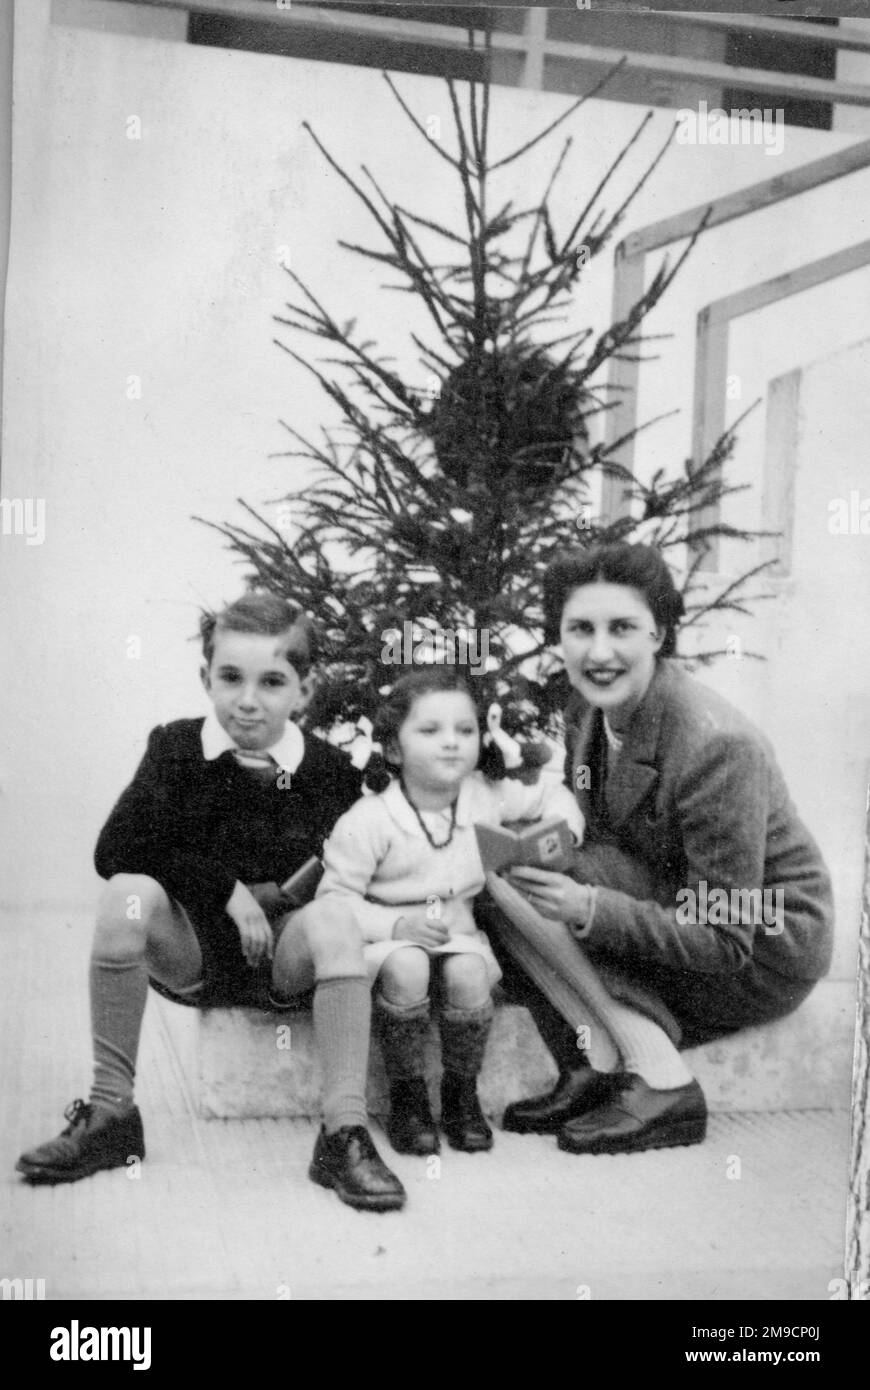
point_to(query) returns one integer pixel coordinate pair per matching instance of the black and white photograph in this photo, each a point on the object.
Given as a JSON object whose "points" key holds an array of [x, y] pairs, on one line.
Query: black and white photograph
{"points": [[435, 568]]}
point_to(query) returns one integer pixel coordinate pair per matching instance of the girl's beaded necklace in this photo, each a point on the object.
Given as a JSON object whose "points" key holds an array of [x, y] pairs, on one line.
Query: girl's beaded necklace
{"points": [[423, 826]]}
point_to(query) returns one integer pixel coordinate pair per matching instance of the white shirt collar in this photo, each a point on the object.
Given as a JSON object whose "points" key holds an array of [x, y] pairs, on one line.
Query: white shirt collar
{"points": [[288, 752]]}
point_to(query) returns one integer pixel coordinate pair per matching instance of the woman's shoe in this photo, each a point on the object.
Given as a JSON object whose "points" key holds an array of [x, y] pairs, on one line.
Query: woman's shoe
{"points": [[411, 1128], [462, 1119], [637, 1117], [577, 1090]]}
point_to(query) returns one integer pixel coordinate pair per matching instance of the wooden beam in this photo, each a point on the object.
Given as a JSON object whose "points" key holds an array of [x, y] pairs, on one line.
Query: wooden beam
{"points": [[817, 9], [630, 278], [771, 27], [535, 32], [623, 378], [832, 9], [232, 9], [806, 277], [687, 69], [708, 420], [822, 35], [683, 68], [749, 199], [315, 17], [779, 470], [711, 359]]}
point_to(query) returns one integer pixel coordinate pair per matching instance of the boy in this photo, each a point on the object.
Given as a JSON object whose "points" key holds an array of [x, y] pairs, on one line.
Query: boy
{"points": [[220, 812]]}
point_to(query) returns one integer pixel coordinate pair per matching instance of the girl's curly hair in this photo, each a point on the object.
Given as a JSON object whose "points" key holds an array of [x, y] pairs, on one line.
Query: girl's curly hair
{"points": [[397, 705]]}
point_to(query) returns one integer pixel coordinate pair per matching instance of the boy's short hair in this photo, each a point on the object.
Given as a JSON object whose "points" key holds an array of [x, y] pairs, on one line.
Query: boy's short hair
{"points": [[270, 616]]}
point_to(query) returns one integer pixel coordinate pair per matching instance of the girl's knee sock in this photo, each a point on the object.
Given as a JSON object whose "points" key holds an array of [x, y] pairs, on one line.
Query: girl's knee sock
{"points": [[401, 1031], [119, 990], [463, 1038], [342, 1017]]}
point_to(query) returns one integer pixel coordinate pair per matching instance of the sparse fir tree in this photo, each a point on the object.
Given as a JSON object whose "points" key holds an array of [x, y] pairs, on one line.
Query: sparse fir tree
{"points": [[438, 510]]}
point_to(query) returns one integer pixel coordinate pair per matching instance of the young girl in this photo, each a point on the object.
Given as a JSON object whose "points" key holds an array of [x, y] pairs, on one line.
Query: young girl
{"points": [[407, 859]]}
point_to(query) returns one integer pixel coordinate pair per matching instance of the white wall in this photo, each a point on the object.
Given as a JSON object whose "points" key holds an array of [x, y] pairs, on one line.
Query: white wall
{"points": [[5, 150], [159, 258], [812, 695], [819, 631]]}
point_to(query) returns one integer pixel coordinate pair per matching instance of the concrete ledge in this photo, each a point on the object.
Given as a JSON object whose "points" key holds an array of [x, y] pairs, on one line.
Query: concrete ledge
{"points": [[802, 1062], [250, 1064], [242, 1064]]}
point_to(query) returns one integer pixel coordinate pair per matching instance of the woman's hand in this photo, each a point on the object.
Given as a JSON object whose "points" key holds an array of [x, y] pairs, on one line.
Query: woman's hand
{"points": [[556, 896], [415, 926], [255, 933]]}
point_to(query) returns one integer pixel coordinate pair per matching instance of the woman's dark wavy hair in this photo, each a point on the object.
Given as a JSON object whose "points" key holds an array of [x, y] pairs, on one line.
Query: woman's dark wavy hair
{"points": [[397, 705], [639, 567]]}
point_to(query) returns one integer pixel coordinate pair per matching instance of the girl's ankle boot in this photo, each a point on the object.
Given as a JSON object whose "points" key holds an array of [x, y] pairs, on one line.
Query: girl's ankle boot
{"points": [[463, 1041], [411, 1128], [402, 1033], [462, 1119]]}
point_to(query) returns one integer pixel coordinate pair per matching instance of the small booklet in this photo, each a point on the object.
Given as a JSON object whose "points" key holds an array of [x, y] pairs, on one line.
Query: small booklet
{"points": [[544, 844], [301, 886]]}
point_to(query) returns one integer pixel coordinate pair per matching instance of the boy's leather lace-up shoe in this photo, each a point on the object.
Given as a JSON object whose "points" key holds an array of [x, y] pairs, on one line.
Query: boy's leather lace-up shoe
{"points": [[93, 1139], [349, 1163]]}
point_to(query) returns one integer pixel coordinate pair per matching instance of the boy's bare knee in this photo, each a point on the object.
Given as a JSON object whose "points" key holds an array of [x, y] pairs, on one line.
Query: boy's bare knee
{"points": [[465, 981], [127, 906], [331, 934], [132, 897], [404, 976]]}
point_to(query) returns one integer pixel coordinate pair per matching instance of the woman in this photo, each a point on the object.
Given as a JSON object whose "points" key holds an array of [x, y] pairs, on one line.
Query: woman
{"points": [[699, 903]]}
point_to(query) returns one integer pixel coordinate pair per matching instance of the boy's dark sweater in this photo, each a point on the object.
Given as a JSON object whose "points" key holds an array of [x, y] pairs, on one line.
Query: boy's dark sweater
{"points": [[199, 826]]}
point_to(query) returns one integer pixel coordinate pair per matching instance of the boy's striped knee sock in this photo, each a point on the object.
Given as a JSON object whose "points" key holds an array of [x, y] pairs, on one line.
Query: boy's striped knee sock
{"points": [[119, 990], [342, 1018]]}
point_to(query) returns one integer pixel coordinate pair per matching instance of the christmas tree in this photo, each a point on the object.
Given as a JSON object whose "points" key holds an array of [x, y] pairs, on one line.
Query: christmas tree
{"points": [[431, 514]]}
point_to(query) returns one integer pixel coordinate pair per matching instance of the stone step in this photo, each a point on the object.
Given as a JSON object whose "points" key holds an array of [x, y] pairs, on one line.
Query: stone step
{"points": [[243, 1064]]}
